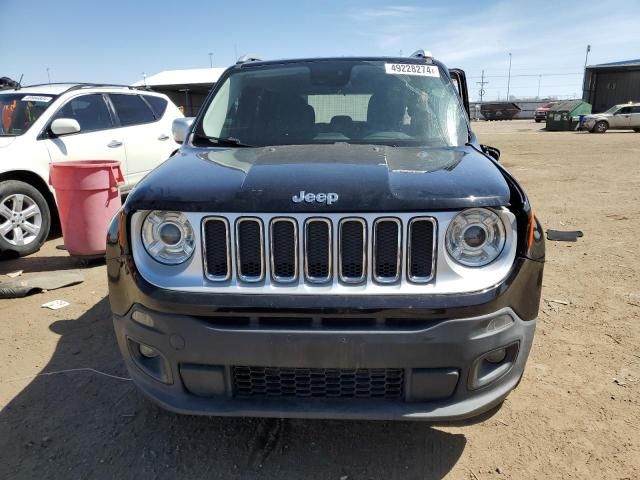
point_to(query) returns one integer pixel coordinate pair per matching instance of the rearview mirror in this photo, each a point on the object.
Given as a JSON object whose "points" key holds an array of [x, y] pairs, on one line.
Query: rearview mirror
{"points": [[64, 126], [180, 128]]}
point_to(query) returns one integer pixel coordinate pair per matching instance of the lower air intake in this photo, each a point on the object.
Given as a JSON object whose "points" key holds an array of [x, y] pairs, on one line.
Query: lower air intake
{"points": [[318, 382]]}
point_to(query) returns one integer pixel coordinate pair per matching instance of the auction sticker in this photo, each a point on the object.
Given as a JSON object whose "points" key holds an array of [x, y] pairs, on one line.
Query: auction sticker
{"points": [[36, 98], [411, 69]]}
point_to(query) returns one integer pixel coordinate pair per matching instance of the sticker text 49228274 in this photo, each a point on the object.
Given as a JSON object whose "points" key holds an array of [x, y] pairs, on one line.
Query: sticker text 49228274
{"points": [[411, 69]]}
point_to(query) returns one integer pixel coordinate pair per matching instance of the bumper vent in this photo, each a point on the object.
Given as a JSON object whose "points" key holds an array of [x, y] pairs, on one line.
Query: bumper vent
{"points": [[304, 249], [318, 382]]}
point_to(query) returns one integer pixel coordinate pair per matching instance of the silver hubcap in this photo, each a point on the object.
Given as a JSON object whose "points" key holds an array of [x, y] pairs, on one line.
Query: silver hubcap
{"points": [[20, 219]]}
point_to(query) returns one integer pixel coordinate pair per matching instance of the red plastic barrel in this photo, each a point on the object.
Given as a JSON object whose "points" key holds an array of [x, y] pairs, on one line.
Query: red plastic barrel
{"points": [[88, 197]]}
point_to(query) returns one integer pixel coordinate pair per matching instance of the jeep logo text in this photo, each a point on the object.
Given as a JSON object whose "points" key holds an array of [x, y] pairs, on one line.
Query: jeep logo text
{"points": [[327, 198]]}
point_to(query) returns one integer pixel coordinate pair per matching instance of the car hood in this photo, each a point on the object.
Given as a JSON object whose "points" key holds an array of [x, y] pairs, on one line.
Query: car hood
{"points": [[6, 141], [365, 178]]}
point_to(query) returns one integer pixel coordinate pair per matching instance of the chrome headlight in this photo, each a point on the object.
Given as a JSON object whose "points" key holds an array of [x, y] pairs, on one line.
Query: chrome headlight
{"points": [[168, 237], [475, 237]]}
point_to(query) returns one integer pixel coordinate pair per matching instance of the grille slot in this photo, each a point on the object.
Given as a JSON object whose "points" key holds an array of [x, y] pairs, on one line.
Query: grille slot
{"points": [[249, 249], [318, 248], [352, 250], [318, 382], [216, 248], [284, 249], [420, 251], [387, 236]]}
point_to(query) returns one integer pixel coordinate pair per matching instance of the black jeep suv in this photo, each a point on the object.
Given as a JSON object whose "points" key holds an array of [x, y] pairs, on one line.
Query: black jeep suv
{"points": [[330, 240]]}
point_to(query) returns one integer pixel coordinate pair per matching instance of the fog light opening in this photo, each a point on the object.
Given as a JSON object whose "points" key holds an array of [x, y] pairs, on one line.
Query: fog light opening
{"points": [[147, 351], [497, 356]]}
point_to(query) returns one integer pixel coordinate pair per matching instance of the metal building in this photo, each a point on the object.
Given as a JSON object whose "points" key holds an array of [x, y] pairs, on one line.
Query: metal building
{"points": [[186, 88], [610, 84]]}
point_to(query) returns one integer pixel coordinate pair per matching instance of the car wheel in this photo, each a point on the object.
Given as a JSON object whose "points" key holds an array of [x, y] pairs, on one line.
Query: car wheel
{"points": [[637, 130], [538, 120], [600, 127], [25, 218]]}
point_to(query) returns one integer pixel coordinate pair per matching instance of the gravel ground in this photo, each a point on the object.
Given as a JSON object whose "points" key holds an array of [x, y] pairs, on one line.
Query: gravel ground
{"points": [[576, 413]]}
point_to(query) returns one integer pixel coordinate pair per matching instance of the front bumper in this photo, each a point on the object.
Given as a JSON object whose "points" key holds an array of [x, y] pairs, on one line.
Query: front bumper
{"points": [[443, 379], [435, 340]]}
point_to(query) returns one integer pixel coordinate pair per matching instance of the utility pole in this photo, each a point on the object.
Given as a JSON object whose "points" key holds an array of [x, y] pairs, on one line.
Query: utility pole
{"points": [[584, 74], [539, 79], [509, 78], [210, 59], [48, 76], [482, 83]]}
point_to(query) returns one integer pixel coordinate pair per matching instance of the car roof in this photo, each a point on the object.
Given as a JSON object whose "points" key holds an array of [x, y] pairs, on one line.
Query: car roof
{"points": [[395, 59], [60, 88], [52, 89]]}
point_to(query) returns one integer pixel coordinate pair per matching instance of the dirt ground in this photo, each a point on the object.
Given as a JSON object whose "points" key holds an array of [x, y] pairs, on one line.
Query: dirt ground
{"points": [[576, 413]]}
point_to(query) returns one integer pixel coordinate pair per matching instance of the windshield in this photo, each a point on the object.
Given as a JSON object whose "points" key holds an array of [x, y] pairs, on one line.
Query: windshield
{"points": [[613, 109], [20, 111], [331, 101]]}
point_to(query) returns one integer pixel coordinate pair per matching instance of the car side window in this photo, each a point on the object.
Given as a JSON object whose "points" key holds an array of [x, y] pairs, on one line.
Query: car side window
{"points": [[158, 105], [131, 110], [635, 109], [624, 111], [90, 111]]}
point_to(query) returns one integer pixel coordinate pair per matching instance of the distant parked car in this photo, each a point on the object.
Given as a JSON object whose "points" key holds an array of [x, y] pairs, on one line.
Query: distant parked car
{"points": [[61, 122], [618, 117], [499, 110], [541, 112]]}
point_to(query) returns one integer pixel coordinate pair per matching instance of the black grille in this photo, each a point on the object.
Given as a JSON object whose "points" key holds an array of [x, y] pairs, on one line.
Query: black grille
{"points": [[352, 249], [318, 382], [318, 250], [311, 249], [250, 259], [420, 249], [216, 248], [386, 252], [283, 249]]}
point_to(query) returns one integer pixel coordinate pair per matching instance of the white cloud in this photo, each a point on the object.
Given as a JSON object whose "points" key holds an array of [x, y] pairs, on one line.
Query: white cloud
{"points": [[543, 37]]}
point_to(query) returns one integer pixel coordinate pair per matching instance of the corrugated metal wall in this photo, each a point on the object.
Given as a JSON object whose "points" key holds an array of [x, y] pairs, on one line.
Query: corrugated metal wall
{"points": [[609, 88]]}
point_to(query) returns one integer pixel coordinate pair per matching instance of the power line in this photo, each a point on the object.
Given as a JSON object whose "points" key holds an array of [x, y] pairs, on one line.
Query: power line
{"points": [[527, 75]]}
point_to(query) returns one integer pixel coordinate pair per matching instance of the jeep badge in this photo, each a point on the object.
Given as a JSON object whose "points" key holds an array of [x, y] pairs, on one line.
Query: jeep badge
{"points": [[327, 198]]}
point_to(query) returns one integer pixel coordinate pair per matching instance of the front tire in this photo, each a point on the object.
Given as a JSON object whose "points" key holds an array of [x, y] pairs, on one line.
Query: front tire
{"points": [[25, 218], [600, 127], [538, 120]]}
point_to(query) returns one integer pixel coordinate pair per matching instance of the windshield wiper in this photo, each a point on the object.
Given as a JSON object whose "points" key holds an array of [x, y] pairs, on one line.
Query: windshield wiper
{"points": [[224, 142]]}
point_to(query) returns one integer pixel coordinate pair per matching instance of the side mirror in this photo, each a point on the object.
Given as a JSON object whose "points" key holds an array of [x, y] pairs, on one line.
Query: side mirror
{"points": [[459, 80], [493, 152], [180, 128], [64, 126]]}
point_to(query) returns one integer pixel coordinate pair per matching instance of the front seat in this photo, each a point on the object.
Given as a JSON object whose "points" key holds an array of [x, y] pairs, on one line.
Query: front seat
{"points": [[385, 113]]}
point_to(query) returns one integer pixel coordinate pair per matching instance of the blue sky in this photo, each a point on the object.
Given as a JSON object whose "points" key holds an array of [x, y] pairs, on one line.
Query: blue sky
{"points": [[117, 40]]}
